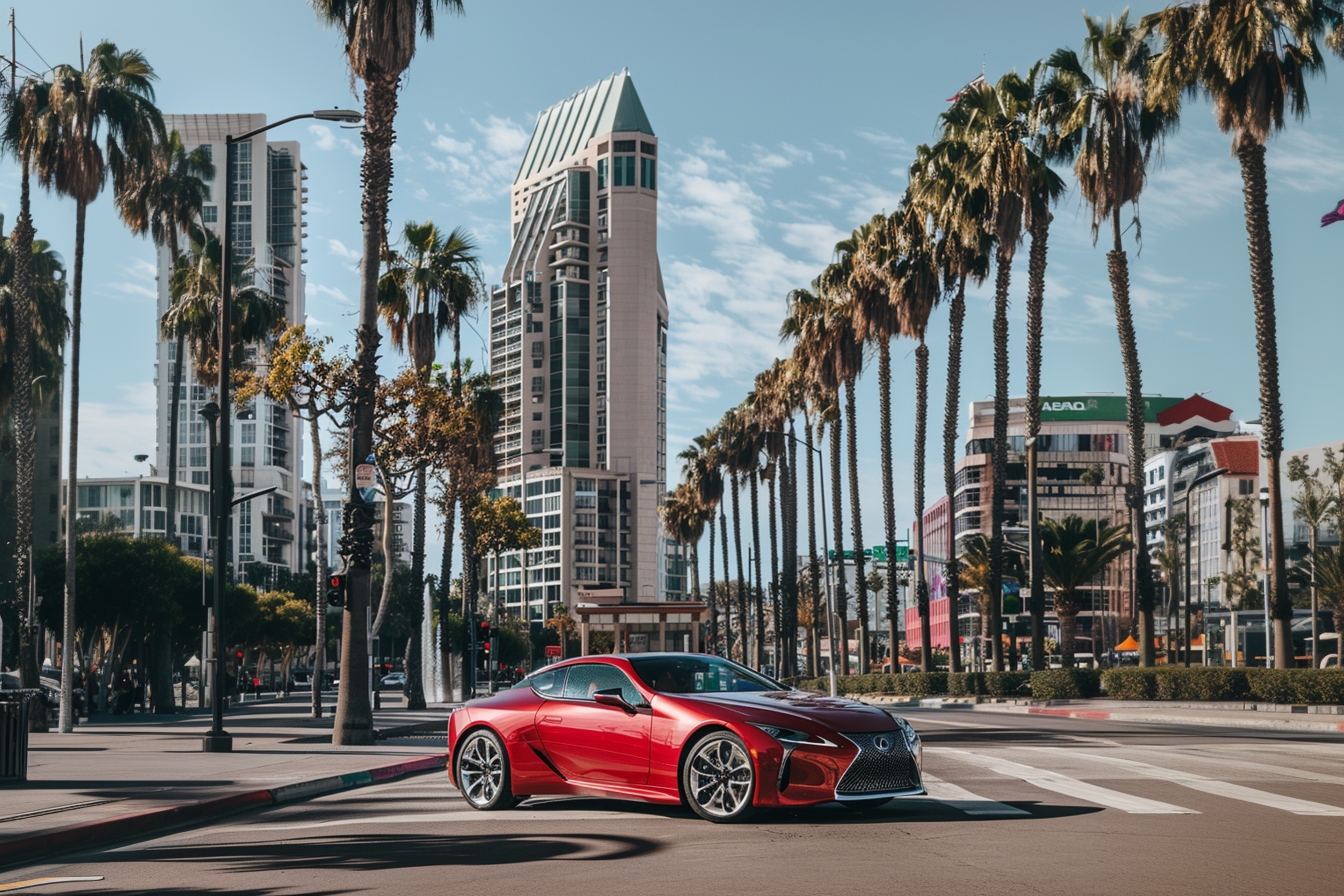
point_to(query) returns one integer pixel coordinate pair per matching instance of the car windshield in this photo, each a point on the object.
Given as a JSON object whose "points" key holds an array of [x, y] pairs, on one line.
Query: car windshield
{"points": [[699, 675]]}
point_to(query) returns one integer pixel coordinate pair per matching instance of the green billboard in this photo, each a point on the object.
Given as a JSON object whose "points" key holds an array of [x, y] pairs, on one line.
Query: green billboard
{"points": [[1101, 407]]}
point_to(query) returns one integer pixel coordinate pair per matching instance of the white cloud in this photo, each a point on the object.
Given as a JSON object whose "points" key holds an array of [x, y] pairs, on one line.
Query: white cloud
{"points": [[328, 139], [502, 136], [456, 147], [112, 433], [312, 290], [141, 280], [338, 248], [818, 238]]}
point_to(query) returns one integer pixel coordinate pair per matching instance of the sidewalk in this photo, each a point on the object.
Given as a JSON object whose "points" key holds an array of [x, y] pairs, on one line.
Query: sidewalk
{"points": [[1270, 717], [121, 778]]}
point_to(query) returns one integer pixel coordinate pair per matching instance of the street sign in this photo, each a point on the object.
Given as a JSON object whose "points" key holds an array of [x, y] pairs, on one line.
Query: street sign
{"points": [[552, 649], [364, 479], [877, 554]]}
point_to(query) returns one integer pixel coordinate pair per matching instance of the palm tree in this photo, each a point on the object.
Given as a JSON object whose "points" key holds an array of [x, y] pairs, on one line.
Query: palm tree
{"points": [[36, 341], [704, 477], [1327, 571], [29, 132], [193, 314], [109, 101], [380, 41], [1251, 58], [1168, 559], [991, 120], [975, 576], [1074, 552], [1313, 505], [1095, 115], [941, 190], [418, 299], [164, 200], [739, 458]]}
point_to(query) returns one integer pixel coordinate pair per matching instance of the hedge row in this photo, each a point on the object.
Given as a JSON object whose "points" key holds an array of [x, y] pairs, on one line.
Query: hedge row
{"points": [[1065, 684], [1263, 685], [928, 684]]}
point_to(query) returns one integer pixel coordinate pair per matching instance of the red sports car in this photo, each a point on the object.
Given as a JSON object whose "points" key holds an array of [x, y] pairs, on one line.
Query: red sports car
{"points": [[677, 728]]}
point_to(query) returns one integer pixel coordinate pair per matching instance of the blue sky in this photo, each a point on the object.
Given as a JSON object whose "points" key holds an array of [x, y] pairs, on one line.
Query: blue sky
{"points": [[782, 126]]}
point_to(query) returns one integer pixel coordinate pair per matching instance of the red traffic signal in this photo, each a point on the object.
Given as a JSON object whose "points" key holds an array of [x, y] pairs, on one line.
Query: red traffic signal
{"points": [[336, 589]]}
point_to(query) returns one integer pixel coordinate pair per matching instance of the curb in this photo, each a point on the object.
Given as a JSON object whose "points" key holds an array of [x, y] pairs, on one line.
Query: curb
{"points": [[155, 822]]}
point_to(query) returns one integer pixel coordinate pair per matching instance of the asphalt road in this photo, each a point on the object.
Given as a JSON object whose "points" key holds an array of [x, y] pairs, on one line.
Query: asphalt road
{"points": [[1018, 804]]}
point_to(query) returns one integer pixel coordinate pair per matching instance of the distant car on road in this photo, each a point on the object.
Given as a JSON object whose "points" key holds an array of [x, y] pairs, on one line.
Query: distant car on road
{"points": [[393, 680], [678, 727]]}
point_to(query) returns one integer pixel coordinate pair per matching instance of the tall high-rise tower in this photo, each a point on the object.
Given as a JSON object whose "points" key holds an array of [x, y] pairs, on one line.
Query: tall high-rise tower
{"points": [[268, 226], [578, 344]]}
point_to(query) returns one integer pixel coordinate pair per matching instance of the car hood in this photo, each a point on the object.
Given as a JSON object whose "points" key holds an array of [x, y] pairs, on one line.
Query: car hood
{"points": [[835, 713]]}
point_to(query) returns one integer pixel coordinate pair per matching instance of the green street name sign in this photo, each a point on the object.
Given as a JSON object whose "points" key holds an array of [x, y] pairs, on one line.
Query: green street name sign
{"points": [[878, 554], [1100, 407]]}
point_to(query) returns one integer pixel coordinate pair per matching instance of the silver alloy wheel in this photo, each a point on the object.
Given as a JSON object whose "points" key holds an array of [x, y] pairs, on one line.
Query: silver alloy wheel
{"points": [[721, 777], [481, 769]]}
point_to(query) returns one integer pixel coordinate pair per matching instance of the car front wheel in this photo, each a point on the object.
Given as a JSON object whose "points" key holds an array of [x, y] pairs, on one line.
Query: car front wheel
{"points": [[482, 771], [719, 779]]}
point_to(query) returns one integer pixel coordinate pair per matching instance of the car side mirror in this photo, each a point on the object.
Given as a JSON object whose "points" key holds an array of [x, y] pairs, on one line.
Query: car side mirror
{"points": [[613, 697]]}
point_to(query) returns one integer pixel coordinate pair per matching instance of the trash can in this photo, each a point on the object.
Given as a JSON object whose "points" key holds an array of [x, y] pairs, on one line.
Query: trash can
{"points": [[14, 735]]}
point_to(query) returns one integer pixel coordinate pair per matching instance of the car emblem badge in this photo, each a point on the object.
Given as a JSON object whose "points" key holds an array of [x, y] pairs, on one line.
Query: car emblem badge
{"points": [[883, 743]]}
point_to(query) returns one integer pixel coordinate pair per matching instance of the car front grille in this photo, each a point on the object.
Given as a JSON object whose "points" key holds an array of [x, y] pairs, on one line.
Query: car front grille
{"points": [[876, 771]]}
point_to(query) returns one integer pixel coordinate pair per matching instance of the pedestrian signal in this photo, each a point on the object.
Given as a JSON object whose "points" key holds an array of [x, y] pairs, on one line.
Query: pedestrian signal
{"points": [[336, 589]]}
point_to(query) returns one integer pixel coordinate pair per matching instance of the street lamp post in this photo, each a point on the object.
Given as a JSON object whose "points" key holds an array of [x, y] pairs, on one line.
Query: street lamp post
{"points": [[831, 616], [217, 740], [1264, 578], [1198, 480]]}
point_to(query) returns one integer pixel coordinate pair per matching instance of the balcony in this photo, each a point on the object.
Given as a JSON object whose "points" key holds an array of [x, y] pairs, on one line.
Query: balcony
{"points": [[569, 235], [275, 533]]}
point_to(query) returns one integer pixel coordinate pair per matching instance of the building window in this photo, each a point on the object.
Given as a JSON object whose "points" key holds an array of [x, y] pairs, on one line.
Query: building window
{"points": [[648, 149], [648, 174], [197, 457], [1247, 487], [623, 145], [623, 173], [210, 214], [602, 174]]}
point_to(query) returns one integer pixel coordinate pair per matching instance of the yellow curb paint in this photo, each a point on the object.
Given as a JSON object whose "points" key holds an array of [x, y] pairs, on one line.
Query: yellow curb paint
{"points": [[42, 882]]}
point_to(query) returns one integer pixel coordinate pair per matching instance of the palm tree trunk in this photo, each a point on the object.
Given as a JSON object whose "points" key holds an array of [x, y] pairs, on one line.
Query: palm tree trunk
{"points": [[888, 497], [921, 586], [446, 593], [1040, 232], [773, 586], [1129, 352], [743, 620], [791, 557], [839, 639], [998, 467], [174, 430], [814, 586], [713, 592], [728, 595], [25, 443], [320, 652], [1068, 626], [72, 477], [1252, 158], [415, 673], [695, 565], [354, 717], [757, 597], [856, 526], [951, 411]]}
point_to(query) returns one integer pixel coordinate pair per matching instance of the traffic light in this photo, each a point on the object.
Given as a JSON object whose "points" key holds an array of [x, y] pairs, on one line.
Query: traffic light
{"points": [[336, 589]]}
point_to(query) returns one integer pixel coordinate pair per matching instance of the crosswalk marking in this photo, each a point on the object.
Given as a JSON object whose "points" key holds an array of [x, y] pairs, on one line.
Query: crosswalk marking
{"points": [[1265, 768], [960, 798], [1066, 786], [1206, 785]]}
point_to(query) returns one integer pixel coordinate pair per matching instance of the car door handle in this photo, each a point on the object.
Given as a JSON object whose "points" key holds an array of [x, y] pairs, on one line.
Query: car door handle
{"points": [[551, 719]]}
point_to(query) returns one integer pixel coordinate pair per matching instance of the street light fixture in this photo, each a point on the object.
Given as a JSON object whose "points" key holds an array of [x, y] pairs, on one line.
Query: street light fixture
{"points": [[832, 619], [1264, 579], [217, 740]]}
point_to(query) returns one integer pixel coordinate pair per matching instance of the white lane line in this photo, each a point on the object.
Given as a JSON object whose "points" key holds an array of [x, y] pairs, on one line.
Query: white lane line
{"points": [[1066, 786], [1263, 767], [1206, 785], [960, 798]]}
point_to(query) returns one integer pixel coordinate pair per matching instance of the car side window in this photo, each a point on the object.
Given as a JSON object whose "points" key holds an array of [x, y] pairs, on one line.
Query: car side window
{"points": [[549, 683], [587, 679]]}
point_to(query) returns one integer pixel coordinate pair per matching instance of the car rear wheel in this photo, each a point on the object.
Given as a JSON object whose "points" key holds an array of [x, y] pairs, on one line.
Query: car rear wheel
{"points": [[719, 780], [482, 772]]}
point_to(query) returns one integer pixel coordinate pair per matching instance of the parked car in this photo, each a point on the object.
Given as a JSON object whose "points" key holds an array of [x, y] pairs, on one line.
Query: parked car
{"points": [[393, 680], [678, 727]]}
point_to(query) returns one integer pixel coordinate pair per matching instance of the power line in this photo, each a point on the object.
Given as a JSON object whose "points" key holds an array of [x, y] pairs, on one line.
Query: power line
{"points": [[34, 49]]}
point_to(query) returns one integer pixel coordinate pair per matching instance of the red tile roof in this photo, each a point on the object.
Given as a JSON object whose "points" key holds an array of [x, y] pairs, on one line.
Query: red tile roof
{"points": [[1240, 457], [1194, 406]]}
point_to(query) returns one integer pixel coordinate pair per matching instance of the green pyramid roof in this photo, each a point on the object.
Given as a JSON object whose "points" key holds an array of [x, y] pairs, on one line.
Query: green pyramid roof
{"points": [[563, 129]]}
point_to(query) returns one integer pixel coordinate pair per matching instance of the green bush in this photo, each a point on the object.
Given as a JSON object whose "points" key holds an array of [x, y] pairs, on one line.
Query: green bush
{"points": [[1296, 685], [1065, 684], [965, 684], [1196, 683], [909, 684], [1007, 684]]}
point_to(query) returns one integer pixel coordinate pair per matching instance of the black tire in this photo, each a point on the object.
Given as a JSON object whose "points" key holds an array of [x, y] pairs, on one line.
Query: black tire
{"points": [[860, 806], [718, 779], [482, 772]]}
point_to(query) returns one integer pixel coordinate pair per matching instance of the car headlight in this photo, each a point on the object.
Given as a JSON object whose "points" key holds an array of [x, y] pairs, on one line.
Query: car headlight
{"points": [[911, 740], [791, 738]]}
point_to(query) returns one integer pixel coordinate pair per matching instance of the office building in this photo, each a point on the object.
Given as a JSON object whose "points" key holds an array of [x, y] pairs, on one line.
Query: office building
{"points": [[578, 344], [267, 226], [400, 536]]}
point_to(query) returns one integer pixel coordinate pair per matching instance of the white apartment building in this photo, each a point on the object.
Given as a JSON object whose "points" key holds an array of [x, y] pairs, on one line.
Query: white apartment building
{"points": [[578, 345], [268, 201], [401, 528]]}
